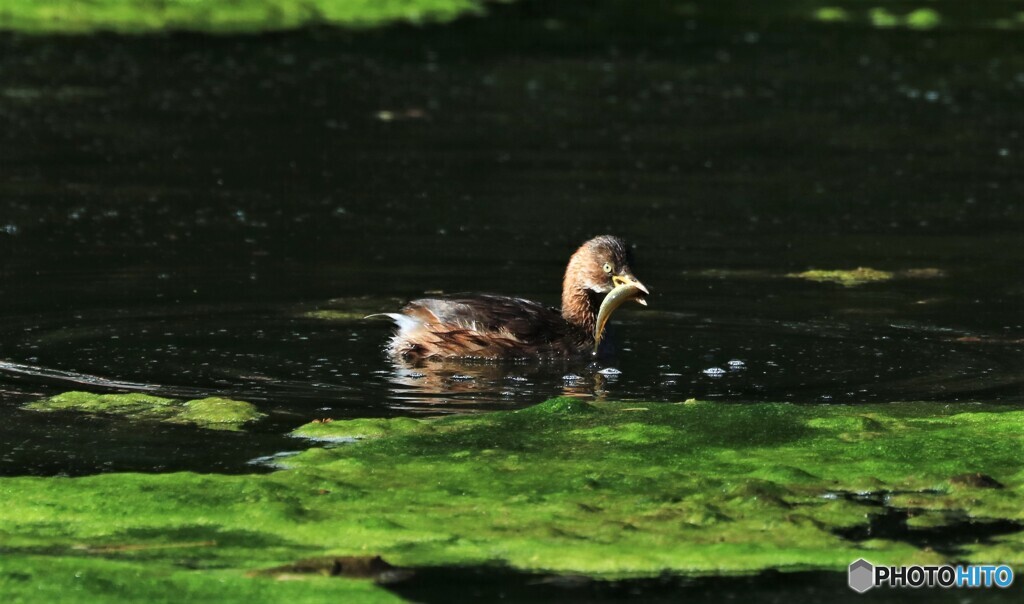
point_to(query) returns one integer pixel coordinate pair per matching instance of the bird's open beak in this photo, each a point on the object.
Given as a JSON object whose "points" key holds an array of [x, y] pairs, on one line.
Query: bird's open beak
{"points": [[626, 288]]}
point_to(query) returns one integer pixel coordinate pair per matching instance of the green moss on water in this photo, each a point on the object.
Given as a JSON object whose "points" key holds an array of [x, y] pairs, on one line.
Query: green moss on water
{"points": [[831, 14], [360, 428], [920, 18], [140, 16], [234, 16], [336, 315], [846, 278], [210, 413], [923, 18], [217, 413], [83, 578], [607, 490], [881, 17]]}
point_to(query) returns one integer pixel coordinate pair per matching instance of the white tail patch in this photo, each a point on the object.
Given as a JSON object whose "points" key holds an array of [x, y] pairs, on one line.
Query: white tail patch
{"points": [[407, 327], [405, 323]]}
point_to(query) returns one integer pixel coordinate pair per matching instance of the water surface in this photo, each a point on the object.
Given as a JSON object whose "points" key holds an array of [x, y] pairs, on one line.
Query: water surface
{"points": [[172, 209]]}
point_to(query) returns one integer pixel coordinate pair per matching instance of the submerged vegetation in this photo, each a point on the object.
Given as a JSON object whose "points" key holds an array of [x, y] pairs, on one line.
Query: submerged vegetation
{"points": [[211, 413], [605, 490]]}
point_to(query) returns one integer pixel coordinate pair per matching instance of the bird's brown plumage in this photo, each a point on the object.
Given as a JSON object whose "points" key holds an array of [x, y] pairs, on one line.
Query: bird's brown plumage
{"points": [[486, 326]]}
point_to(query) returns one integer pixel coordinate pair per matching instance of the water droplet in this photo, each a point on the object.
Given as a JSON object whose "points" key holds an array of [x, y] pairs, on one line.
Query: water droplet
{"points": [[610, 371], [714, 371]]}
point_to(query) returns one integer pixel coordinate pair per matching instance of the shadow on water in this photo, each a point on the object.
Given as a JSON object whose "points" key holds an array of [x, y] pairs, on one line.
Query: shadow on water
{"points": [[946, 539], [173, 208]]}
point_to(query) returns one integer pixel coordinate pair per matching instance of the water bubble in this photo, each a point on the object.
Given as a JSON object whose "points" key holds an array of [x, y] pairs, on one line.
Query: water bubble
{"points": [[610, 371], [714, 372], [462, 378], [736, 364], [571, 377]]}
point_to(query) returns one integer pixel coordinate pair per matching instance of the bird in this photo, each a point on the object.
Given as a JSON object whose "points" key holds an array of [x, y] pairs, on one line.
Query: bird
{"points": [[598, 279]]}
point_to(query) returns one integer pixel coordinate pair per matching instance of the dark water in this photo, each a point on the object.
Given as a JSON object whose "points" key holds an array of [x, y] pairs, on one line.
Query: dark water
{"points": [[172, 208]]}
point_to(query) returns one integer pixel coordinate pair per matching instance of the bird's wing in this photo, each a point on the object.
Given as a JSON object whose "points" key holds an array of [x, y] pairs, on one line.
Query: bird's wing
{"points": [[523, 320]]}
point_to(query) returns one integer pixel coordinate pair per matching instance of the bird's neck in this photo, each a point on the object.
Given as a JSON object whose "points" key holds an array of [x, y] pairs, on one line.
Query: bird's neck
{"points": [[577, 307]]}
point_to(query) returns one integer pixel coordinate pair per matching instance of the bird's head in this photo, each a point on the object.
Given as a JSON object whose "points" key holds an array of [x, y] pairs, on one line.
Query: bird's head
{"points": [[600, 269], [602, 264]]}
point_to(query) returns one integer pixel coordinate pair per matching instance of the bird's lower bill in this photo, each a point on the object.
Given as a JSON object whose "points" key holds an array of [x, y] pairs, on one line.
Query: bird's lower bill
{"points": [[622, 293]]}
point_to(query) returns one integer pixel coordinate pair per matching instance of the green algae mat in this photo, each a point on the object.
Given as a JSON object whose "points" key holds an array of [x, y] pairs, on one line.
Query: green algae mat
{"points": [[146, 16], [607, 490], [211, 413], [233, 16]]}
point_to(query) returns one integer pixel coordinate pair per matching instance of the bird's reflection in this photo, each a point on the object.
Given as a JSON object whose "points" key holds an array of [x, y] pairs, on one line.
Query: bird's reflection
{"points": [[440, 382]]}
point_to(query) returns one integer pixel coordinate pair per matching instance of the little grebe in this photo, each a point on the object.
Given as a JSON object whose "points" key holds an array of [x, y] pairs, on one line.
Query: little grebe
{"points": [[485, 326]]}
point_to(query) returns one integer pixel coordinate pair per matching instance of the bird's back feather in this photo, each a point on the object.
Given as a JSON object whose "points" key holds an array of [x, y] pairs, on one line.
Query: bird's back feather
{"points": [[482, 326]]}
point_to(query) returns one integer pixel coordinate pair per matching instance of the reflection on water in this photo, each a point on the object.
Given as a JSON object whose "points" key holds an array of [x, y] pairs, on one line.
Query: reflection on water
{"points": [[434, 382]]}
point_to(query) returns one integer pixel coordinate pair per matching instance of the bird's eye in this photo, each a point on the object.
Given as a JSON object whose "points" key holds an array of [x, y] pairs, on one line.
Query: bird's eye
{"points": [[608, 268]]}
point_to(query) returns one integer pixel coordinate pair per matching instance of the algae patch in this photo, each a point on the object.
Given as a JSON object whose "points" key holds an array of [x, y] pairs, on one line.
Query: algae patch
{"points": [[350, 430], [335, 315], [919, 19], [144, 16], [846, 278], [600, 489], [862, 275], [210, 413], [355, 308]]}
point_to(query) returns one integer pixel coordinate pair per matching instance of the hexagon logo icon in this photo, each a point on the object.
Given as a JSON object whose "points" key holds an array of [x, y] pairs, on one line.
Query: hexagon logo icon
{"points": [[861, 576]]}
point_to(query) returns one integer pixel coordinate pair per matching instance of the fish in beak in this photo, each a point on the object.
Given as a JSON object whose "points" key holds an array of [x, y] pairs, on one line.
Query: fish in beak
{"points": [[626, 288]]}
